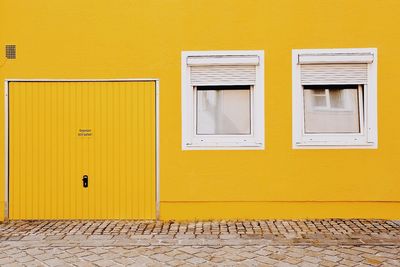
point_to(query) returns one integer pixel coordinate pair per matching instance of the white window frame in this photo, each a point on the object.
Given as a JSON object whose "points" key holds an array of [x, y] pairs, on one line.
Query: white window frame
{"points": [[192, 141], [368, 136]]}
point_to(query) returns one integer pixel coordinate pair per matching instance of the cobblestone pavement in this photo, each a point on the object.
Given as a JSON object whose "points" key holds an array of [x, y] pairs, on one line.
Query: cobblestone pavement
{"points": [[223, 243]]}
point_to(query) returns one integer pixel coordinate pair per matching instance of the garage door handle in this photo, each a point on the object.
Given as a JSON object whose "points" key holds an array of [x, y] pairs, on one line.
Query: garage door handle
{"points": [[85, 181]]}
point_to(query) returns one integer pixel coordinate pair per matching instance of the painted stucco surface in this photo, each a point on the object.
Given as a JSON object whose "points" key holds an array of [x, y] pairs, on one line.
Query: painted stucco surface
{"points": [[144, 39]]}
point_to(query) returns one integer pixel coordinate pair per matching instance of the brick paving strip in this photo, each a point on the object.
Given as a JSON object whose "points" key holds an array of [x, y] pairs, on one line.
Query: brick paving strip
{"points": [[247, 243]]}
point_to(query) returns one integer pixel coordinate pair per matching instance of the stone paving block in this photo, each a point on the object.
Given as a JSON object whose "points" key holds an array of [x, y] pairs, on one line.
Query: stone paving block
{"points": [[247, 255], [43, 257], [327, 263], [195, 260], [366, 250], [71, 260], [373, 261], [109, 256], [20, 254], [123, 261], [84, 264], [332, 258], [91, 257], [106, 263], [182, 256], [100, 237], [390, 262], [12, 265], [285, 264], [141, 260], [11, 251], [329, 252], [309, 259], [242, 243], [14, 238], [349, 251], [203, 254], [216, 259], [54, 262], [293, 261], [176, 263], [161, 257], [229, 236], [33, 237], [83, 254], [138, 236], [25, 259], [34, 251], [189, 250], [4, 261], [348, 263], [308, 264], [94, 243], [75, 237], [351, 257], [75, 250], [277, 257], [294, 254], [266, 260], [387, 255]]}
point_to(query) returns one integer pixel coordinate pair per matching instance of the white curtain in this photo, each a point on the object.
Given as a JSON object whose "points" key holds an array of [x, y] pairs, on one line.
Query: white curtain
{"points": [[223, 112], [331, 111]]}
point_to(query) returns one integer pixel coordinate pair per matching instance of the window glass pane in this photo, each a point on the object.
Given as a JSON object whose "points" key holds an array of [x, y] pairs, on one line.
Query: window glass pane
{"points": [[337, 97], [340, 114], [223, 110], [319, 101], [319, 97]]}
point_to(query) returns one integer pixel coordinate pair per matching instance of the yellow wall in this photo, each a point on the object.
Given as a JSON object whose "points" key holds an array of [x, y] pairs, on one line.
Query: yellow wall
{"points": [[125, 38]]}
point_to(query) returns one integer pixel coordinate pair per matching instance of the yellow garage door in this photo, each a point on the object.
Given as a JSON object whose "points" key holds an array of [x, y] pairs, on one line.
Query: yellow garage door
{"points": [[82, 150]]}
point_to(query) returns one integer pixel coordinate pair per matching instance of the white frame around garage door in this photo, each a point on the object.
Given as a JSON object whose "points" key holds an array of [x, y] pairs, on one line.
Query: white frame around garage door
{"points": [[6, 130]]}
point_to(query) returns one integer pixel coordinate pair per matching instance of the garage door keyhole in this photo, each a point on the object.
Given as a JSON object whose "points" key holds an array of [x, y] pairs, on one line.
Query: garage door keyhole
{"points": [[85, 181]]}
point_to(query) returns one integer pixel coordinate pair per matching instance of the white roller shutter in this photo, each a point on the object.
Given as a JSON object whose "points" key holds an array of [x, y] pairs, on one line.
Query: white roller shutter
{"points": [[334, 74], [323, 58], [222, 60], [223, 70], [223, 75], [334, 68]]}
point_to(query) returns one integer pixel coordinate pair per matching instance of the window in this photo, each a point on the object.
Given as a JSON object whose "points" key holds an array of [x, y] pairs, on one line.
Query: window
{"points": [[223, 110], [222, 100], [335, 98], [333, 109]]}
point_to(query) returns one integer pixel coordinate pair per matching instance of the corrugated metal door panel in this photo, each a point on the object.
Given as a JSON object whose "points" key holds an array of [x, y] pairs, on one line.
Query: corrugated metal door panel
{"points": [[48, 157]]}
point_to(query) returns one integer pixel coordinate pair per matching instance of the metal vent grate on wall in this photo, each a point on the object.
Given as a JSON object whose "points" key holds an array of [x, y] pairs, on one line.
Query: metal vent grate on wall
{"points": [[11, 51]]}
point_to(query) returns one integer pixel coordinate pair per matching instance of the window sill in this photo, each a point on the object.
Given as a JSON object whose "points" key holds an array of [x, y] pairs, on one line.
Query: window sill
{"points": [[223, 146], [333, 145]]}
